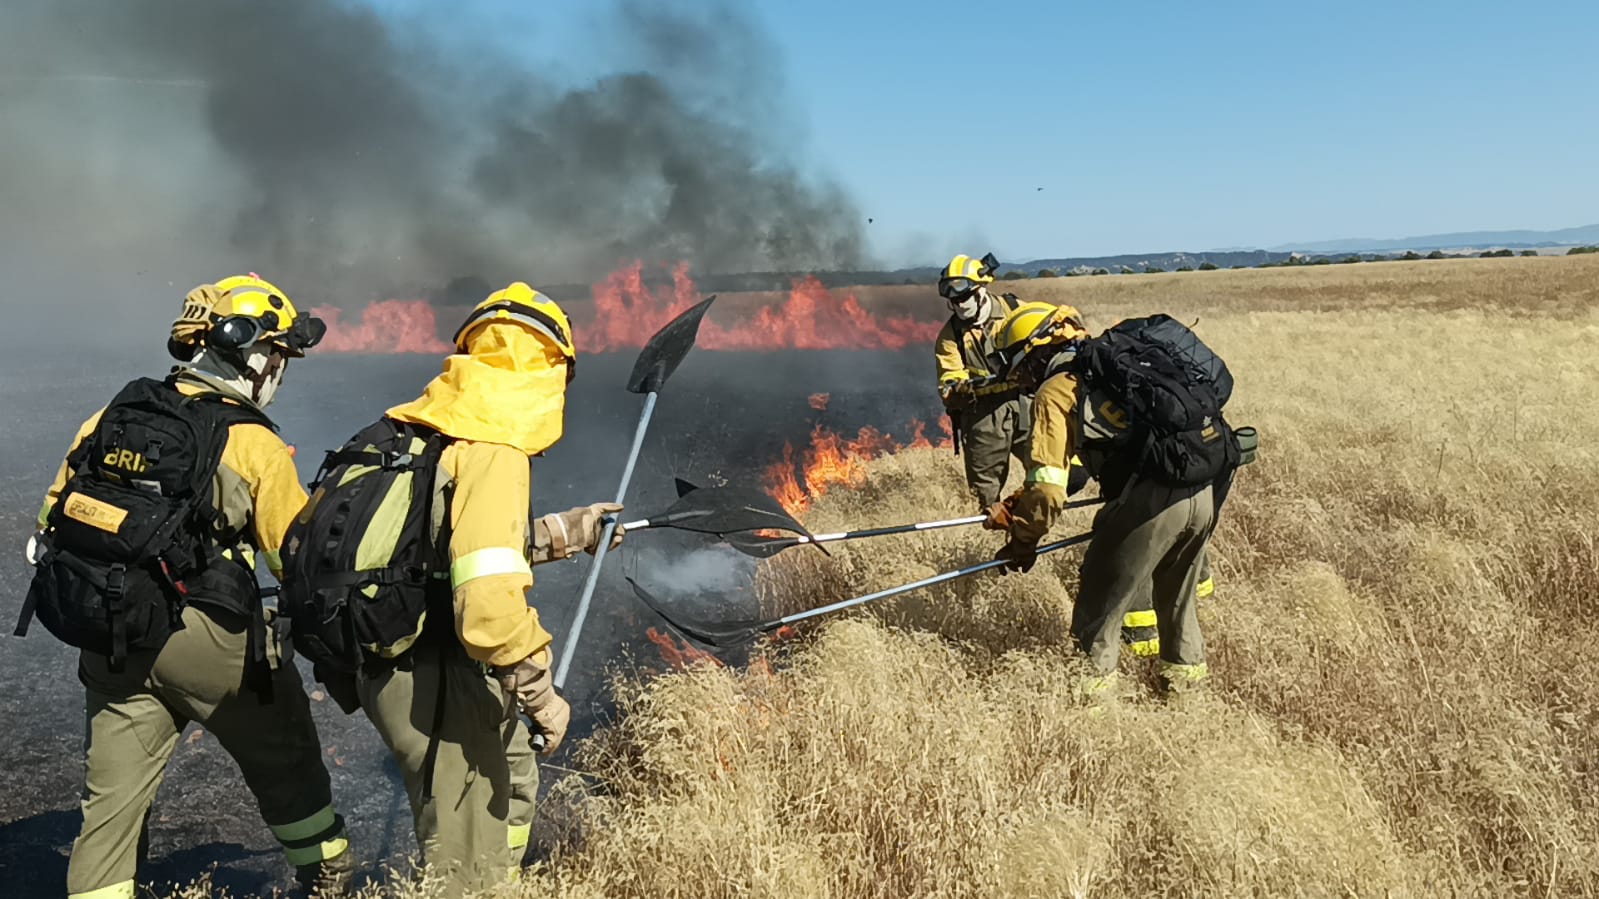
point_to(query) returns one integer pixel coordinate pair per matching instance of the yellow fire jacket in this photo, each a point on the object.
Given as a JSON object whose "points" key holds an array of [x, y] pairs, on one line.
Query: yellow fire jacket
{"points": [[1043, 496], [961, 353], [502, 401], [257, 488]]}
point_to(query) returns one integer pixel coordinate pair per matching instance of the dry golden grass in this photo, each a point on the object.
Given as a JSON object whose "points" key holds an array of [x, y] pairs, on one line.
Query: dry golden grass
{"points": [[1404, 700]]}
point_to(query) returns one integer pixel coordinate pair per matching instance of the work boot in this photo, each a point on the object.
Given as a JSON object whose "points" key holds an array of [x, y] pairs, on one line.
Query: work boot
{"points": [[1176, 679], [328, 879], [1099, 691]]}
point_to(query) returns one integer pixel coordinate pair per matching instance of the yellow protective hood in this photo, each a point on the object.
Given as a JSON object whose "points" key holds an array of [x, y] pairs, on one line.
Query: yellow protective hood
{"points": [[509, 387]]}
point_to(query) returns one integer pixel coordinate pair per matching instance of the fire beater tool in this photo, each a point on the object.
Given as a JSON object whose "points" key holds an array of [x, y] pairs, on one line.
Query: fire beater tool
{"points": [[725, 634]]}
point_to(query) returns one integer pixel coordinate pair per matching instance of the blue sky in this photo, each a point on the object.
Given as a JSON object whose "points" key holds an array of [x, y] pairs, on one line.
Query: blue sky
{"points": [[1174, 126]]}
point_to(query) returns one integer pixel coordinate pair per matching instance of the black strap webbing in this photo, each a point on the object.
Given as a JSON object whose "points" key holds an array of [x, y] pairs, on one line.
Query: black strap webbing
{"points": [[431, 757]]}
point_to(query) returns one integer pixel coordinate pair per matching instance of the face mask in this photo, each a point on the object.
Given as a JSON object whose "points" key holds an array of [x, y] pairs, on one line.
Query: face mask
{"points": [[267, 370], [972, 308]]}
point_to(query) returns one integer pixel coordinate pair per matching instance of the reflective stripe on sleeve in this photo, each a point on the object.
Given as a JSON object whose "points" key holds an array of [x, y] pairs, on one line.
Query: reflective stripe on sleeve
{"points": [[123, 890], [486, 562], [1048, 474]]}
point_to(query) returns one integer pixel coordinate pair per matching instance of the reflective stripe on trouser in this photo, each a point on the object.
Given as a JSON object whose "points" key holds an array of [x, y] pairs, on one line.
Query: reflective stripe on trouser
{"points": [[475, 827], [1140, 634], [133, 722], [1207, 584], [1146, 546], [1179, 675], [992, 432], [313, 839]]}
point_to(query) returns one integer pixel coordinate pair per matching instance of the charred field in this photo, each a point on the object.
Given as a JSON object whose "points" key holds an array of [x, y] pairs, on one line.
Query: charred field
{"points": [[725, 416]]}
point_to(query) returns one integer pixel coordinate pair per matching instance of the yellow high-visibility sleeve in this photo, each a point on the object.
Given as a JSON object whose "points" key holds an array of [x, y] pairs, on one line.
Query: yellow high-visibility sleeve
{"points": [[1043, 496], [64, 472], [488, 552], [947, 354], [262, 461]]}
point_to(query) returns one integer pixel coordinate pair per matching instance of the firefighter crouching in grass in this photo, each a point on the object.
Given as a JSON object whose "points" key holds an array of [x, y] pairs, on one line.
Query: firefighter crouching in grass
{"points": [[1164, 479]]}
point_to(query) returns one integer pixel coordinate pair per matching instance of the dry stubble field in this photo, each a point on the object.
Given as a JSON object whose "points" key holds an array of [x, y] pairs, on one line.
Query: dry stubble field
{"points": [[1404, 699]]}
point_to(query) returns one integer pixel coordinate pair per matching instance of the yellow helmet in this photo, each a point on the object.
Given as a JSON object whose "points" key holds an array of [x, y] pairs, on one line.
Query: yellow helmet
{"points": [[965, 274], [238, 312], [1032, 325], [522, 304]]}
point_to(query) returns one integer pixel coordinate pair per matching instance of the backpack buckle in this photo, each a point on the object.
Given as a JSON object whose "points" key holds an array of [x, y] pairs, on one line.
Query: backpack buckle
{"points": [[116, 582], [392, 462]]}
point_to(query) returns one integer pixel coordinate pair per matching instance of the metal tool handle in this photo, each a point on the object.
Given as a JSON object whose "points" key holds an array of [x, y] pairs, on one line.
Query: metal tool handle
{"points": [[605, 542]]}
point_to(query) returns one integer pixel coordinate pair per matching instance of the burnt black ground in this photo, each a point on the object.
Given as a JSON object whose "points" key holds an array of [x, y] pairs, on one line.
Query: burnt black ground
{"points": [[723, 416]]}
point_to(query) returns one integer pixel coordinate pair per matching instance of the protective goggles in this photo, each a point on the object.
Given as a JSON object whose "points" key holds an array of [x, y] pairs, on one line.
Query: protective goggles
{"points": [[237, 332], [957, 289]]}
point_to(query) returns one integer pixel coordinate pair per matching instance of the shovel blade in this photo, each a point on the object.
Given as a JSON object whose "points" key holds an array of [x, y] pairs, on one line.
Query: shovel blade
{"points": [[666, 350]]}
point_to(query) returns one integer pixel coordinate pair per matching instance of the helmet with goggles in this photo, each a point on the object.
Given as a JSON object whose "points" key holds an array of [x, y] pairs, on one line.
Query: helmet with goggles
{"points": [[964, 275], [240, 312]]}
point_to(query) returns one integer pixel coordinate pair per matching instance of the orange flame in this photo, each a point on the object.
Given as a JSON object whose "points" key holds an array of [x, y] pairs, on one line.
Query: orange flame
{"points": [[679, 655], [819, 401], [627, 312], [387, 326], [812, 317], [832, 461]]}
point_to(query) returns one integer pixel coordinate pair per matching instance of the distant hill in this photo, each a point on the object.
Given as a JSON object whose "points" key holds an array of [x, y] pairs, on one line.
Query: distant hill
{"points": [[1586, 234]]}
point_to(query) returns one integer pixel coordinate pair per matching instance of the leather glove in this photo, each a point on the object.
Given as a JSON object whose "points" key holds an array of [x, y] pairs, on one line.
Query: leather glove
{"points": [[999, 514], [532, 687], [957, 394], [580, 528], [1017, 556]]}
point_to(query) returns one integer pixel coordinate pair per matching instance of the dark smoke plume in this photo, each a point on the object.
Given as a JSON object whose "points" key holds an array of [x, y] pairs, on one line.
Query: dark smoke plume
{"points": [[332, 147]]}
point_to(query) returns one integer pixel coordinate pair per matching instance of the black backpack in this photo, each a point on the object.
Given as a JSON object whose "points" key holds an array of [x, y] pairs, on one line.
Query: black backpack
{"points": [[1172, 387], [135, 522], [362, 567]]}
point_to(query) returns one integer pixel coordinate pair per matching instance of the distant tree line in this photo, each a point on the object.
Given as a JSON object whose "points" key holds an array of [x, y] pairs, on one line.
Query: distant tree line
{"points": [[1150, 268]]}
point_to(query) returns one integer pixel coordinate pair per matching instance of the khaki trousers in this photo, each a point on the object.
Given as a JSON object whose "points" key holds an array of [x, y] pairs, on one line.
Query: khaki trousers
{"points": [[473, 830], [134, 718], [1147, 543], [992, 432]]}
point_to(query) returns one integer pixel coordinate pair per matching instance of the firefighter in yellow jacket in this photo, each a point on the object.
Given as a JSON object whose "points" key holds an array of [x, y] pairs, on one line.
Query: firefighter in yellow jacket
{"points": [[234, 339], [988, 416], [500, 399], [1149, 539]]}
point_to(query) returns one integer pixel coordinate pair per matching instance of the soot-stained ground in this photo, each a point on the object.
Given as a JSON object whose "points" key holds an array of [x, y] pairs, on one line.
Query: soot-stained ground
{"points": [[722, 416]]}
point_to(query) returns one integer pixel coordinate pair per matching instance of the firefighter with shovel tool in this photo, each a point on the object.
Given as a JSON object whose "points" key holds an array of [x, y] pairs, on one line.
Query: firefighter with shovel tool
{"points": [[1142, 404], [405, 577]]}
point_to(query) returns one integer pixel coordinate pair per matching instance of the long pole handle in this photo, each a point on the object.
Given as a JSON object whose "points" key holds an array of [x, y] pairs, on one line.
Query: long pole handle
{"points": [[605, 542], [917, 585], [895, 529], [912, 528]]}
